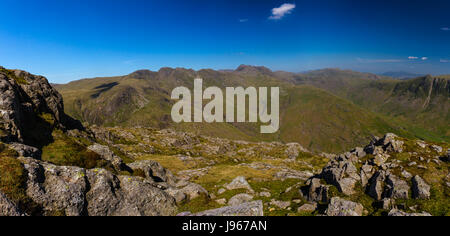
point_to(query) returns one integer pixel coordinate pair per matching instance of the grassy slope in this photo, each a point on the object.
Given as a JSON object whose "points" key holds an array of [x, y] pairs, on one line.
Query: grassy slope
{"points": [[401, 101]]}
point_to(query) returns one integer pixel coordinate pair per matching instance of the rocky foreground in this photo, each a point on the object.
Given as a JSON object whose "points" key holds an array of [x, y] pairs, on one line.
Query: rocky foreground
{"points": [[50, 164]]}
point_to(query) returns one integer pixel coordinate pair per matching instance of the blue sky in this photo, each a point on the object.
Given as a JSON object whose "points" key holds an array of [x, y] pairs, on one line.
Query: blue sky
{"points": [[67, 40]]}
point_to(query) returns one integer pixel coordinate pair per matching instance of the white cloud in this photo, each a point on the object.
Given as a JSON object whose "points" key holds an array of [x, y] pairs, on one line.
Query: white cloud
{"points": [[413, 58], [445, 29], [445, 61], [243, 20], [424, 58], [280, 12]]}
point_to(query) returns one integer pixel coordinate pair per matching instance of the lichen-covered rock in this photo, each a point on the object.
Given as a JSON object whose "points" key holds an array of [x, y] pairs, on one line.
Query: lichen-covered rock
{"points": [[155, 171], [420, 189], [437, 148], [193, 191], [396, 212], [341, 207], [391, 143], [307, 208], [239, 183], [75, 192], [56, 188], [7, 207], [25, 150], [246, 209], [396, 188], [240, 199], [293, 150], [317, 192], [376, 186], [280, 204], [292, 174], [23, 98], [107, 155]]}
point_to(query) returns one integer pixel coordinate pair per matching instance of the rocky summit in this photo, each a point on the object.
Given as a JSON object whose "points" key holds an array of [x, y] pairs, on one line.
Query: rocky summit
{"points": [[52, 165]]}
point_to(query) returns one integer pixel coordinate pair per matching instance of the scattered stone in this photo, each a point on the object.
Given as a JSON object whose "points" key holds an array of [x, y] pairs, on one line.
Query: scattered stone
{"points": [[359, 152], [247, 209], [437, 148], [221, 191], [307, 208], [155, 171], [222, 201], [280, 204], [107, 155], [396, 188], [26, 151], [293, 174], [421, 144], [422, 167], [420, 189], [265, 194], [239, 183], [317, 192], [396, 212], [239, 199], [380, 159], [347, 185], [193, 191], [178, 195], [341, 207], [293, 150], [406, 174], [391, 144], [412, 164]]}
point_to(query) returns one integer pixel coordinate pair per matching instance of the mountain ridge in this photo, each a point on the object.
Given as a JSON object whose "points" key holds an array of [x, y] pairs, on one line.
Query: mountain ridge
{"points": [[143, 98]]}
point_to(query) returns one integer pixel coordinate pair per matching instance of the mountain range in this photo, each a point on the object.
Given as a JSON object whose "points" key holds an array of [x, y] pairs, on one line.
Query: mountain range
{"points": [[325, 110]]}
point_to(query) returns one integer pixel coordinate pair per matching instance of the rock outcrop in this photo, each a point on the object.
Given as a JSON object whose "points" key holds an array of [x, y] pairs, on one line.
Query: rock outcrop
{"points": [[76, 191], [421, 190], [396, 212], [246, 209], [29, 106], [340, 207], [372, 168]]}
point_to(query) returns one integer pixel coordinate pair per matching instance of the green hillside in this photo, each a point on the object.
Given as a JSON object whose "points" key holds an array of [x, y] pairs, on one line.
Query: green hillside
{"points": [[423, 101], [322, 118]]}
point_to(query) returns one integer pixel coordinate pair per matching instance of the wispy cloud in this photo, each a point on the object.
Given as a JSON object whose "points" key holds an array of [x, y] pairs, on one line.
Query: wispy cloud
{"points": [[363, 60], [445, 61], [243, 20], [445, 28], [412, 58], [279, 12]]}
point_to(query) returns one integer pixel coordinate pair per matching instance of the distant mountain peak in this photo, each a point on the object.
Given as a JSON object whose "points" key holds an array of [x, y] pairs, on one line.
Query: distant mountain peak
{"points": [[253, 69]]}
